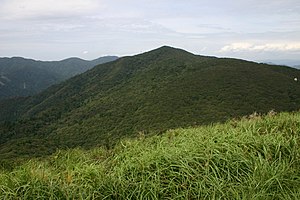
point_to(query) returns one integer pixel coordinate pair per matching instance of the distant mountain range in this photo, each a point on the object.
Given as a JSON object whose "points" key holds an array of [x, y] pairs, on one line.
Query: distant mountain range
{"points": [[290, 63], [24, 77], [161, 89], [297, 66]]}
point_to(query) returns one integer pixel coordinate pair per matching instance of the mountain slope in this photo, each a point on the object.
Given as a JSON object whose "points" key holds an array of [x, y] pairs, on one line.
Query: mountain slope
{"points": [[154, 91], [255, 158], [25, 81], [24, 77]]}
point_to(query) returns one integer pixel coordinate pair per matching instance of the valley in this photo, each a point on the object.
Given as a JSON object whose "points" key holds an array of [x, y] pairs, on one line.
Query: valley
{"points": [[20, 77]]}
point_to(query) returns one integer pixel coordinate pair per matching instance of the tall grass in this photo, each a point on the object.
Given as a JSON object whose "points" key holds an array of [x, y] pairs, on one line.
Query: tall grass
{"points": [[255, 158]]}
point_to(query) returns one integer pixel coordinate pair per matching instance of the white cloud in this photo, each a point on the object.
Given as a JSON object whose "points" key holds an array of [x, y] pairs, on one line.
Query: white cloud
{"points": [[235, 47], [270, 47], [54, 29]]}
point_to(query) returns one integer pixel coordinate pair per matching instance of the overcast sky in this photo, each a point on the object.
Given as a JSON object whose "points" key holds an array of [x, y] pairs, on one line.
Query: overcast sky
{"points": [[57, 29]]}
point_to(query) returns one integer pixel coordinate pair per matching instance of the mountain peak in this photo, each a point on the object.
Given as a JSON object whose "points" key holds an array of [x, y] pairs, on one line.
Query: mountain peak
{"points": [[167, 51], [162, 89], [169, 48]]}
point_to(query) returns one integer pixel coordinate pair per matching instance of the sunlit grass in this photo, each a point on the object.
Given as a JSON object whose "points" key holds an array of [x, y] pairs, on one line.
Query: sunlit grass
{"points": [[256, 158]]}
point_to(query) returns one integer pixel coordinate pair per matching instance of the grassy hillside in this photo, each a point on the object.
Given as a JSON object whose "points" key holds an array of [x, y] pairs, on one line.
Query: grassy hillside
{"points": [[256, 158], [25, 77], [154, 91]]}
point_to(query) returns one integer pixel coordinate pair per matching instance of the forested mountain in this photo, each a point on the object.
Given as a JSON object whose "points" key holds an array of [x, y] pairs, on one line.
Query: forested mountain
{"points": [[158, 90], [24, 77]]}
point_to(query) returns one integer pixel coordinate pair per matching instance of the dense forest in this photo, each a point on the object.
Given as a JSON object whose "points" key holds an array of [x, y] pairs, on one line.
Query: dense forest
{"points": [[21, 77], [152, 92]]}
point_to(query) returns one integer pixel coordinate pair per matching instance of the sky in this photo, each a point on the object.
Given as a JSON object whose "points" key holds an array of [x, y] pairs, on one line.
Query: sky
{"points": [[259, 30]]}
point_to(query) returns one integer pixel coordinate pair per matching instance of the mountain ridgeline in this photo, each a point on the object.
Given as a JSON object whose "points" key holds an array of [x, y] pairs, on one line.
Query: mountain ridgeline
{"points": [[162, 89], [23, 77]]}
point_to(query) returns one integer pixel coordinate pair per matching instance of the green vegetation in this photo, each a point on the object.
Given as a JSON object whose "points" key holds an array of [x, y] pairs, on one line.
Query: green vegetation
{"points": [[256, 158], [25, 77], [155, 91]]}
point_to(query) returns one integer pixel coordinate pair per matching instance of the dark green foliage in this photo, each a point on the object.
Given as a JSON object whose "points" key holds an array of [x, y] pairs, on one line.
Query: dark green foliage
{"points": [[255, 158], [25, 81], [151, 92], [24, 77]]}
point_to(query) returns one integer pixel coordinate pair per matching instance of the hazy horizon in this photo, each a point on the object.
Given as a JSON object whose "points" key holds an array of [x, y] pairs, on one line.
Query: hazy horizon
{"points": [[54, 30], [288, 62]]}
